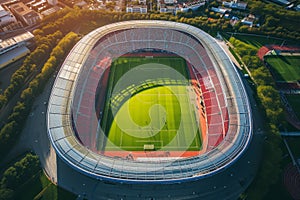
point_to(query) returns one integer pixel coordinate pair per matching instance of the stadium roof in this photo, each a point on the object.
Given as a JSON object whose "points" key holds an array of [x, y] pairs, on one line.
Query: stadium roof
{"points": [[67, 146]]}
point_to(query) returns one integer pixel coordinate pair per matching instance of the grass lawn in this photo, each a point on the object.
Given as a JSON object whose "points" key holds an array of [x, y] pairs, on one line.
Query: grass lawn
{"points": [[294, 143], [285, 68], [256, 41], [294, 101], [156, 116], [278, 190], [155, 111], [39, 187]]}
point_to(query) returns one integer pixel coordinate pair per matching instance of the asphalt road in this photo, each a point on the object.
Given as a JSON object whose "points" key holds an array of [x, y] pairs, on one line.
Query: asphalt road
{"points": [[7, 72], [34, 135]]}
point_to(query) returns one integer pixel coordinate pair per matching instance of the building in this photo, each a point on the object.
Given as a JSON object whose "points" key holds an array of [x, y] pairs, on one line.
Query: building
{"points": [[168, 9], [193, 7], [221, 10], [136, 9], [82, 4], [235, 4], [281, 2], [52, 2], [50, 10], [249, 20], [26, 15], [6, 17], [10, 27], [169, 1], [13, 48], [38, 5]]}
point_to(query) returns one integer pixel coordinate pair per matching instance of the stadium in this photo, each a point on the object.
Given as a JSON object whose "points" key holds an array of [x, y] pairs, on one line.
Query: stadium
{"points": [[148, 102]]}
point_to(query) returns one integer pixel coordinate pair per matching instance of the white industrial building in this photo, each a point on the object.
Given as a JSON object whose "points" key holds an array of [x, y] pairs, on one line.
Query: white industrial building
{"points": [[14, 48]]}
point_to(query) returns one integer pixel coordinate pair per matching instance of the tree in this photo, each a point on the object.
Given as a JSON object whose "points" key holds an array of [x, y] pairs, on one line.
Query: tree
{"points": [[20, 172], [3, 100], [6, 194], [261, 76], [271, 101], [10, 178], [270, 166], [6, 134], [27, 95], [256, 7]]}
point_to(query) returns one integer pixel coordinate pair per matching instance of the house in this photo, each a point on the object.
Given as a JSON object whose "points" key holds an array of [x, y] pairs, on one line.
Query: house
{"points": [[136, 9], [169, 1], [168, 9], [220, 10], [193, 6], [26, 15], [249, 20], [234, 20], [281, 2], [235, 4]]}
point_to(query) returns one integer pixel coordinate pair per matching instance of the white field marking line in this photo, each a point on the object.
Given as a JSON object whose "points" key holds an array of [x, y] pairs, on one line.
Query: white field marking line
{"points": [[139, 147], [162, 95], [152, 68], [129, 147], [121, 139]]}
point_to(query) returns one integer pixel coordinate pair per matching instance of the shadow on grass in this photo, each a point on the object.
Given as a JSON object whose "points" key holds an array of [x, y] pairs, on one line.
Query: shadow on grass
{"points": [[39, 187], [283, 58]]}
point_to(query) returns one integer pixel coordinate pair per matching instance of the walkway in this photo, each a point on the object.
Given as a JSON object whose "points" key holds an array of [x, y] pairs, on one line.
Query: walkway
{"points": [[290, 133]]}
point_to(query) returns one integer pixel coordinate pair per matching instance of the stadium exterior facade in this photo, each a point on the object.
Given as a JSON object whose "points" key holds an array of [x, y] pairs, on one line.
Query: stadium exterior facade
{"points": [[62, 110]]}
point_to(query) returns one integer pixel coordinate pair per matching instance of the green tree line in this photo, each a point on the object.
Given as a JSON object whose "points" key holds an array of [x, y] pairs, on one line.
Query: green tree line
{"points": [[18, 174], [269, 101], [32, 63], [12, 129], [71, 19]]}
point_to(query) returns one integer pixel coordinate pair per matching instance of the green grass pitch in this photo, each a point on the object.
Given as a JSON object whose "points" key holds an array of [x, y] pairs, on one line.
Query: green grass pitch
{"points": [[285, 68], [158, 112], [294, 101]]}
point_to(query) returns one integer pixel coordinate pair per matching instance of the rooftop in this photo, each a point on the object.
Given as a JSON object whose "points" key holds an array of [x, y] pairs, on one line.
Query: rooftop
{"points": [[23, 10], [14, 40]]}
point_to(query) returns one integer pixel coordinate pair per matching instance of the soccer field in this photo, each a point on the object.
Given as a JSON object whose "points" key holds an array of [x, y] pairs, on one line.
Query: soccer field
{"points": [[285, 68], [157, 113]]}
